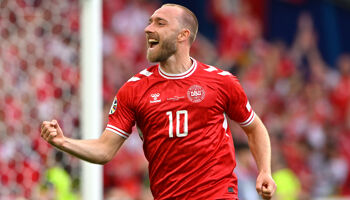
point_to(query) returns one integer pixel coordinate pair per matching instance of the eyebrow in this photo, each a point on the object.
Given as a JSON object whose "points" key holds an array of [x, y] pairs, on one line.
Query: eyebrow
{"points": [[157, 19]]}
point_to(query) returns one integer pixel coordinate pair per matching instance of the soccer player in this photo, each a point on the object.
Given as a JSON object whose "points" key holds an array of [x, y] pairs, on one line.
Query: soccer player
{"points": [[180, 107]]}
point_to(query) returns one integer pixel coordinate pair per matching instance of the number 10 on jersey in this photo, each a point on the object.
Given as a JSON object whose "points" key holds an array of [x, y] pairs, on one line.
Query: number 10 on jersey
{"points": [[179, 114]]}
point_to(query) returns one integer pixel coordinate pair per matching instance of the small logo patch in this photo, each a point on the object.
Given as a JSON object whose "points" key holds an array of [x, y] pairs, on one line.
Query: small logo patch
{"points": [[114, 106], [195, 93], [155, 98], [230, 189]]}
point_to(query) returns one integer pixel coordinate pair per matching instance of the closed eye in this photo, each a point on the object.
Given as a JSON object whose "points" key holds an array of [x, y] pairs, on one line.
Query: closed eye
{"points": [[159, 21]]}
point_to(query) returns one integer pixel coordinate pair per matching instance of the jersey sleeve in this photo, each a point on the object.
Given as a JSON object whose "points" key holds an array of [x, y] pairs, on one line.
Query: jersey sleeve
{"points": [[238, 107], [121, 117]]}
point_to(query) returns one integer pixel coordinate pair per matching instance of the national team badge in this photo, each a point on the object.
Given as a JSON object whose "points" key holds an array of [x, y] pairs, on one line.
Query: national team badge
{"points": [[114, 106], [196, 93]]}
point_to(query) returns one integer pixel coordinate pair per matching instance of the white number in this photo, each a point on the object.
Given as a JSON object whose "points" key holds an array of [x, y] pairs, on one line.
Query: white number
{"points": [[178, 115], [170, 123], [185, 125]]}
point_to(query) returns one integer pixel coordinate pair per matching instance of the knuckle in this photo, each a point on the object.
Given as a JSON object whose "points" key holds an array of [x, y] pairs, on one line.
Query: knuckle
{"points": [[51, 130]]}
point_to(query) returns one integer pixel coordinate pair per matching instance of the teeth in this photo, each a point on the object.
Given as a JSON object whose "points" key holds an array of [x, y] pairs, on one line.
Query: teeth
{"points": [[152, 40]]}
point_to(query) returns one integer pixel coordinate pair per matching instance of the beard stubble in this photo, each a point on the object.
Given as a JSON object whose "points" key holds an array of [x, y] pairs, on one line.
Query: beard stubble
{"points": [[166, 49]]}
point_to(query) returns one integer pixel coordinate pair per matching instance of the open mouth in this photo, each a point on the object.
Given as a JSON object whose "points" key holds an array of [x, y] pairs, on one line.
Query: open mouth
{"points": [[152, 43]]}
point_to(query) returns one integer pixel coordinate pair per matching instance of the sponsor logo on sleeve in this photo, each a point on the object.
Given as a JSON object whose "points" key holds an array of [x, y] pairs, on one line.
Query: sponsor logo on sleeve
{"points": [[114, 106]]}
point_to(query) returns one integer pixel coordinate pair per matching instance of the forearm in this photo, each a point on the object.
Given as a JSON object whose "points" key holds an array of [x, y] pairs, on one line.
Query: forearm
{"points": [[259, 144], [98, 151], [88, 150]]}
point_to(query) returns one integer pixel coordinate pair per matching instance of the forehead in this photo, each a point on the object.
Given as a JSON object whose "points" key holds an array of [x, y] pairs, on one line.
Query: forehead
{"points": [[169, 13]]}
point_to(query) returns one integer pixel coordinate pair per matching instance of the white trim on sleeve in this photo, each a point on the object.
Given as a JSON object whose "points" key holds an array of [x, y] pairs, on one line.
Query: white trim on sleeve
{"points": [[249, 120], [117, 131]]}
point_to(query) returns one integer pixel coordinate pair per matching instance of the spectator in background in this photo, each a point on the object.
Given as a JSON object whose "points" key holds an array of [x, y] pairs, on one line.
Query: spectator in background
{"points": [[340, 95], [60, 180], [288, 182], [39, 73], [237, 29], [246, 172], [302, 101]]}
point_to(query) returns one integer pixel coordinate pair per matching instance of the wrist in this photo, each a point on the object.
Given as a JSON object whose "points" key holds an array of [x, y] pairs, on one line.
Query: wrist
{"points": [[61, 143], [265, 171]]}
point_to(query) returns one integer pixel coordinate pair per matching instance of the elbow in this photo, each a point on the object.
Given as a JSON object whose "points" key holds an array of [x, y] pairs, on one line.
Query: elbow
{"points": [[102, 162], [104, 159]]}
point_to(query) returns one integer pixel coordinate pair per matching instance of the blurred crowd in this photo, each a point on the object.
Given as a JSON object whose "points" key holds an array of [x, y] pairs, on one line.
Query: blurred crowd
{"points": [[39, 70], [304, 103]]}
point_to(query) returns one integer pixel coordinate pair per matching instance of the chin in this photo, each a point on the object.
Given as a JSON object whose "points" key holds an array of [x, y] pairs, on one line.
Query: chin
{"points": [[152, 57]]}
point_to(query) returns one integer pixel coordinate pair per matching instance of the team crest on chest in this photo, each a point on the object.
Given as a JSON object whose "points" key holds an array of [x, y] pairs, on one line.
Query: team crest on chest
{"points": [[195, 93]]}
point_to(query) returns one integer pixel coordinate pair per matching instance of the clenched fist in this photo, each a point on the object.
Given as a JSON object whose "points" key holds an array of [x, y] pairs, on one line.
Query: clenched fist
{"points": [[52, 133], [265, 185]]}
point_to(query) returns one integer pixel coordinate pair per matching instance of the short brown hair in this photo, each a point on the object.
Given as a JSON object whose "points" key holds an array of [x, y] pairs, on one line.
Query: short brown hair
{"points": [[189, 20]]}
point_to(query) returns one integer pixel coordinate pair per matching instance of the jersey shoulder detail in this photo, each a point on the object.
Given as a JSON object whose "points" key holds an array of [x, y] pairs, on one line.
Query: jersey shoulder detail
{"points": [[148, 72], [214, 70]]}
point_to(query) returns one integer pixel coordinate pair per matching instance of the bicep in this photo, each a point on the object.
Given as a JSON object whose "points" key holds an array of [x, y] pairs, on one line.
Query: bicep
{"points": [[237, 104], [111, 141], [256, 126]]}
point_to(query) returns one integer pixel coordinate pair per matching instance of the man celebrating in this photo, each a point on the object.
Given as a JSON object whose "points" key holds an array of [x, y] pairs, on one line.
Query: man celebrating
{"points": [[180, 107]]}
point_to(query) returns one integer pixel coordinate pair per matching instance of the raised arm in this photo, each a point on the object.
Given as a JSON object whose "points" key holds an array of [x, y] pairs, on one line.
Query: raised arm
{"points": [[98, 151], [259, 144]]}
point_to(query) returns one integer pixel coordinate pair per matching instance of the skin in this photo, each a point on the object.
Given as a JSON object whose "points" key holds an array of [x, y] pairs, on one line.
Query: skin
{"points": [[172, 53], [259, 144], [163, 24]]}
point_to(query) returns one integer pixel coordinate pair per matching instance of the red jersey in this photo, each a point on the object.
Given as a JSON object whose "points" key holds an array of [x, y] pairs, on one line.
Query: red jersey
{"points": [[182, 121]]}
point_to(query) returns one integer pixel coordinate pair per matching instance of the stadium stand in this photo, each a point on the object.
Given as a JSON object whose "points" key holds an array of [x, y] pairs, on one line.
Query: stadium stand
{"points": [[304, 103]]}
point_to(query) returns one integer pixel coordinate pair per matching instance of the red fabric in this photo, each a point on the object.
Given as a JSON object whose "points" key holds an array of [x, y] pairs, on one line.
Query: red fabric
{"points": [[186, 140], [341, 98]]}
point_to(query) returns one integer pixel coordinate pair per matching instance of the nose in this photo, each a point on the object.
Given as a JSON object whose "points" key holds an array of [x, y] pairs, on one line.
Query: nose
{"points": [[149, 28]]}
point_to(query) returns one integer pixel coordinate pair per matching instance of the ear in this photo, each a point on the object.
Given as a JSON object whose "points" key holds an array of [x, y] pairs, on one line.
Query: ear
{"points": [[183, 35]]}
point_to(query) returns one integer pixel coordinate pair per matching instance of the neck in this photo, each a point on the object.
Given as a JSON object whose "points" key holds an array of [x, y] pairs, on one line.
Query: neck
{"points": [[176, 64]]}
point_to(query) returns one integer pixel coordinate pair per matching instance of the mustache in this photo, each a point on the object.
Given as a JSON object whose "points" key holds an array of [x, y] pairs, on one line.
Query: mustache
{"points": [[152, 36]]}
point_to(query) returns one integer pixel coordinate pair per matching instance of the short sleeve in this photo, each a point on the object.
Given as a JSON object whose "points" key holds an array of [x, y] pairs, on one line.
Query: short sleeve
{"points": [[238, 108], [121, 117]]}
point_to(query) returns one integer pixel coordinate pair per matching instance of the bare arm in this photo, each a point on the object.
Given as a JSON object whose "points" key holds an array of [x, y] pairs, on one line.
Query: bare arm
{"points": [[259, 144], [98, 151]]}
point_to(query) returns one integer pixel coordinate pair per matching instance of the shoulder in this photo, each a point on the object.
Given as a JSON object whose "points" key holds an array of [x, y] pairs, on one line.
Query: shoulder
{"points": [[138, 81], [141, 77], [216, 73], [225, 81]]}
